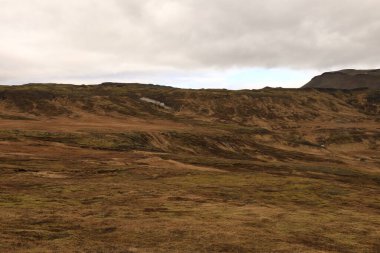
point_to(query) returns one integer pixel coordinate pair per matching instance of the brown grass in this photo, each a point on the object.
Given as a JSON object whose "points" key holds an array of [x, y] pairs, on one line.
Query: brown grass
{"points": [[217, 178]]}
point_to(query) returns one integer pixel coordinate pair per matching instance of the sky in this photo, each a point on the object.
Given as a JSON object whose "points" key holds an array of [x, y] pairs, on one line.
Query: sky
{"points": [[234, 44]]}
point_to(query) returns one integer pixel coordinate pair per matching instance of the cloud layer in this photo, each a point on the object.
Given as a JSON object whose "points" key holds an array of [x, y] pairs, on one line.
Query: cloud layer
{"points": [[47, 40]]}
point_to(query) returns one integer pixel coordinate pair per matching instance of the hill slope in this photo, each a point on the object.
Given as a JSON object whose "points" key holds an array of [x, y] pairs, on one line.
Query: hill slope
{"points": [[144, 168], [347, 79]]}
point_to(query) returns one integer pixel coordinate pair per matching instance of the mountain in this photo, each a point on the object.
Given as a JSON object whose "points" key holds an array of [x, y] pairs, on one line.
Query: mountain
{"points": [[143, 168], [347, 79]]}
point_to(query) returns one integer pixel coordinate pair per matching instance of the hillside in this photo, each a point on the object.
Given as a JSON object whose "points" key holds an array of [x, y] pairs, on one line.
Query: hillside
{"points": [[347, 79], [144, 168]]}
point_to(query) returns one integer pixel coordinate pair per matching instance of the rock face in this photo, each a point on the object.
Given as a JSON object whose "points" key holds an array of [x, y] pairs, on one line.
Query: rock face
{"points": [[347, 79]]}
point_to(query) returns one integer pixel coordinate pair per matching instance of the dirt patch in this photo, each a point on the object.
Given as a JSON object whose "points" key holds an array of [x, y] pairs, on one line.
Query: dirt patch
{"points": [[159, 162], [48, 174]]}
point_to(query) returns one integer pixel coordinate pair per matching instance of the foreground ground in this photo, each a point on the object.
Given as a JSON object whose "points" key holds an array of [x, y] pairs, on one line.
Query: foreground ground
{"points": [[182, 179]]}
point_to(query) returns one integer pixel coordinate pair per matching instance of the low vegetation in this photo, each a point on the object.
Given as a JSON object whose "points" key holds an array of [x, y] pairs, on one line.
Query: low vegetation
{"points": [[95, 169]]}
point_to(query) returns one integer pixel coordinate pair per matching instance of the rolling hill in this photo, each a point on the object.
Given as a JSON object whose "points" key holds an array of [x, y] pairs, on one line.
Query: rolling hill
{"points": [[144, 168]]}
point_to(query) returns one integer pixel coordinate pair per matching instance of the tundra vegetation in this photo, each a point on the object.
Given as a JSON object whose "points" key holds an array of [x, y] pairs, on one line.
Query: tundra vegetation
{"points": [[99, 169]]}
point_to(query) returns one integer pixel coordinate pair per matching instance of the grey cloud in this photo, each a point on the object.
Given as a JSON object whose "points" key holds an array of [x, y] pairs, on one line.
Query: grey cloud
{"points": [[43, 39]]}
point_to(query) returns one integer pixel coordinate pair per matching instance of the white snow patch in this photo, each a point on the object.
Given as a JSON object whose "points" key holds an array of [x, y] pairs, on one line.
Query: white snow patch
{"points": [[155, 102]]}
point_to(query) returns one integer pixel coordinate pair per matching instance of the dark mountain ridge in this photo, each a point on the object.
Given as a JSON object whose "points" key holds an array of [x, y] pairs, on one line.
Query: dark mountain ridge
{"points": [[347, 79]]}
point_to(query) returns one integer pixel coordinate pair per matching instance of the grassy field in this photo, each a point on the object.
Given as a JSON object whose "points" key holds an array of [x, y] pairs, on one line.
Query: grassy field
{"points": [[177, 181]]}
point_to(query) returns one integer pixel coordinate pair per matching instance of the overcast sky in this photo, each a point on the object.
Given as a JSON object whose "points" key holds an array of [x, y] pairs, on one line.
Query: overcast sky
{"points": [[186, 43]]}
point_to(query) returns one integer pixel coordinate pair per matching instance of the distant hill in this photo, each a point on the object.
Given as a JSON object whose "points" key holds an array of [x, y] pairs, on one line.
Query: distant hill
{"points": [[146, 101], [247, 124], [347, 79]]}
